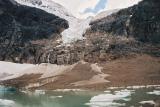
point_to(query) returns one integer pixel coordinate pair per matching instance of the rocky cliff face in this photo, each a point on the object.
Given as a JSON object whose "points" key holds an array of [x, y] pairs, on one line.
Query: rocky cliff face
{"points": [[141, 21], [145, 22], [33, 37], [26, 32], [130, 31], [116, 43], [134, 30]]}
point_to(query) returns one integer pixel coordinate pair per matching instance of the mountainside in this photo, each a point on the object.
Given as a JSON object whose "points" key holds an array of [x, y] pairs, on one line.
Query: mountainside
{"points": [[119, 49], [133, 30], [77, 27], [140, 21], [114, 36], [123, 33], [24, 31]]}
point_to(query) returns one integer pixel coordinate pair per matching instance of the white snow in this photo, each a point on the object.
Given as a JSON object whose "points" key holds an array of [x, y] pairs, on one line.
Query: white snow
{"points": [[105, 104], [107, 99], [147, 102], [56, 97], [40, 92], [76, 30], [136, 87], [143, 86], [150, 86], [77, 27], [10, 69], [111, 88], [4, 102], [68, 90], [14, 70], [155, 92], [107, 91]]}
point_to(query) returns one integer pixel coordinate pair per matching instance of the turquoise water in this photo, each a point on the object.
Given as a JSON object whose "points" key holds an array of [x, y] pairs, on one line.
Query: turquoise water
{"points": [[110, 98]]}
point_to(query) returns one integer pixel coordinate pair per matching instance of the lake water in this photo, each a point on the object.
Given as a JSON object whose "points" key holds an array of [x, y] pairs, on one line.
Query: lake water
{"points": [[124, 97]]}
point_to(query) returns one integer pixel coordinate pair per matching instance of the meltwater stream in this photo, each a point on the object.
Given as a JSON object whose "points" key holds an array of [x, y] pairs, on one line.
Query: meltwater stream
{"points": [[123, 97]]}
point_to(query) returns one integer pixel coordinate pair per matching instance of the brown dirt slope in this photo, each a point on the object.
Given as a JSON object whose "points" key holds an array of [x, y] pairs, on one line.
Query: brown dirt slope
{"points": [[138, 70]]}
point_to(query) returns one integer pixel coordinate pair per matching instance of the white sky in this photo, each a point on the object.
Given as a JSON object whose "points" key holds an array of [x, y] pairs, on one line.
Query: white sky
{"points": [[113, 4], [77, 7]]}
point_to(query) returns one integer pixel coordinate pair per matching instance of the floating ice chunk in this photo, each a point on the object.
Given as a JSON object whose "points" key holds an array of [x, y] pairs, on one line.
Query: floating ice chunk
{"points": [[56, 96], [155, 92], [136, 87], [147, 102], [107, 100], [40, 92], [105, 104], [68, 90], [112, 88], [4, 102], [107, 91], [149, 86]]}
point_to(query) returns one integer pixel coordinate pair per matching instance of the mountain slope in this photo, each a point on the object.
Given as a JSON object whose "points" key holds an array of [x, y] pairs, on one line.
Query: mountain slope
{"points": [[140, 21], [77, 27], [133, 30], [24, 31], [111, 37], [136, 71], [111, 55]]}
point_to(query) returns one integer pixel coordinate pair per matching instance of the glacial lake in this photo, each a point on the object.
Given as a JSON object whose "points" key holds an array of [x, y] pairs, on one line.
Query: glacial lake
{"points": [[122, 97]]}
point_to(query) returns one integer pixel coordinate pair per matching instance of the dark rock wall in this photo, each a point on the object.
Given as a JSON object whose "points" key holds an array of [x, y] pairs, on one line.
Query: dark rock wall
{"points": [[20, 25], [145, 23], [141, 21], [121, 34], [29, 35]]}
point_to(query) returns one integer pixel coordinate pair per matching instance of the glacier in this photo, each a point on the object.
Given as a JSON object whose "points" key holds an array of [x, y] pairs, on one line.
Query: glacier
{"points": [[77, 27]]}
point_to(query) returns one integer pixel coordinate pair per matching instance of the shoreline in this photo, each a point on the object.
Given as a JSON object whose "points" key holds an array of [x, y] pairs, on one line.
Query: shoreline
{"points": [[137, 71], [155, 87]]}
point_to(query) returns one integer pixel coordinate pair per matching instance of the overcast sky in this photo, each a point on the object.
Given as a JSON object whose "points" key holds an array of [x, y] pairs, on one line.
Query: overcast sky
{"points": [[85, 8]]}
